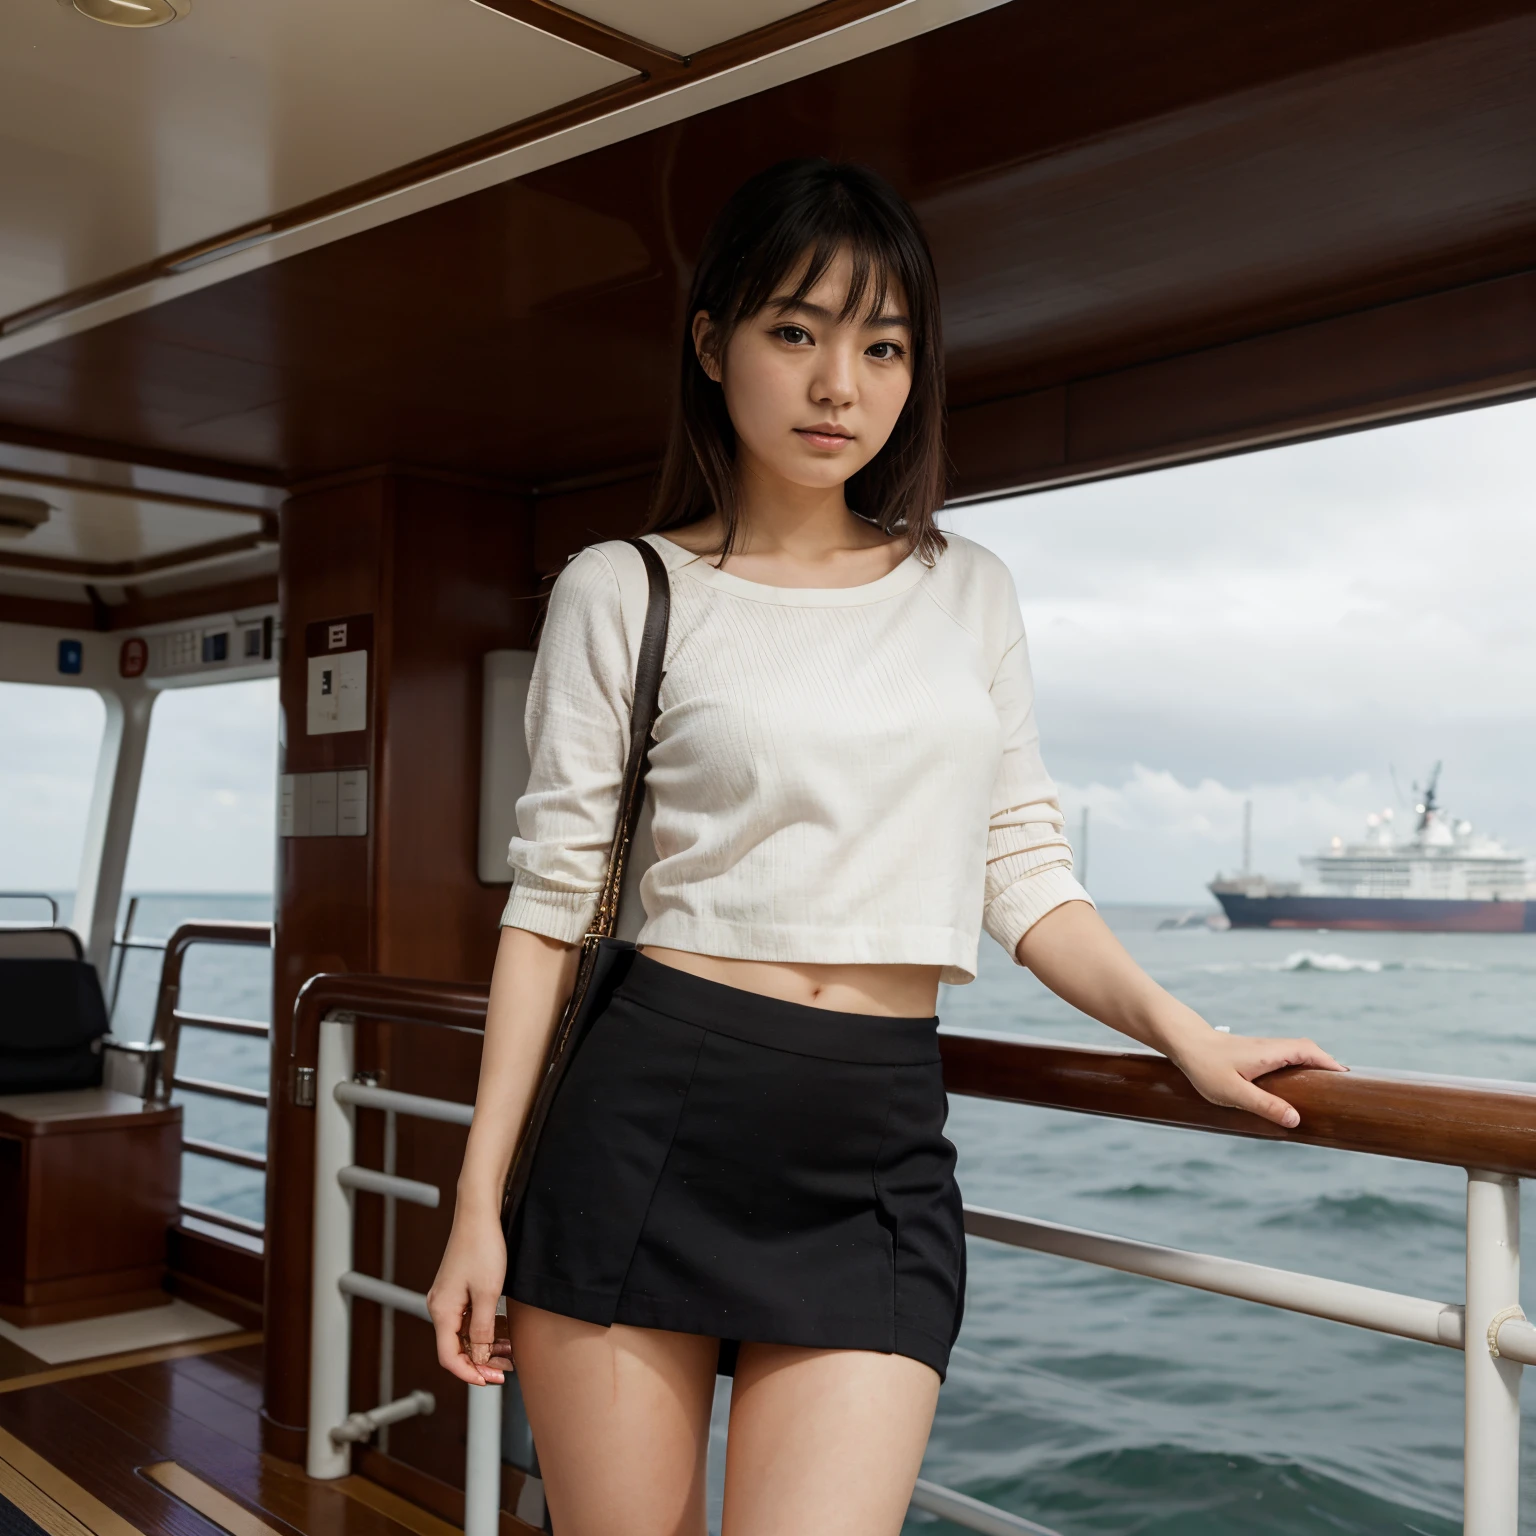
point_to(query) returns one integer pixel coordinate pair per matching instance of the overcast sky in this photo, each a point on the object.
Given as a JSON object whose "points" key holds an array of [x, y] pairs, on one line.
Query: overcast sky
{"points": [[1284, 626]]}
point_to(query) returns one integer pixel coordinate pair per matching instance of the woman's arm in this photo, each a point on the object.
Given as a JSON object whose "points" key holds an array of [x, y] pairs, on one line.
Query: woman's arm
{"points": [[532, 979], [1073, 952]]}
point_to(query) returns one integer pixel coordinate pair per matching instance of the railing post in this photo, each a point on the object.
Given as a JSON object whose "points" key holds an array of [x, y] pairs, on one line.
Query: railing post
{"points": [[1492, 1476], [330, 1314], [482, 1463]]}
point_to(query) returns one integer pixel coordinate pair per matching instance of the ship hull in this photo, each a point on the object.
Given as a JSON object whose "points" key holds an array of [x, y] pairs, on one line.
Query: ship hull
{"points": [[1386, 915]]}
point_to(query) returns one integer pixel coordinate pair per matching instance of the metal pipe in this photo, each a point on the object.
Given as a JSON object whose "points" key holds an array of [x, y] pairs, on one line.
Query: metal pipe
{"points": [[961, 1509], [387, 1268], [255, 1097], [1410, 1317], [201, 1148], [330, 1315], [224, 1026], [357, 1177], [371, 1288], [482, 1463], [1492, 1477], [223, 1219], [366, 1096], [361, 1426]]}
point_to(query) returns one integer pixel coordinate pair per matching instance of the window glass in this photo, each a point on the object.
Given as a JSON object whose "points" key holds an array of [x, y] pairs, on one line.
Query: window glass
{"points": [[49, 741]]}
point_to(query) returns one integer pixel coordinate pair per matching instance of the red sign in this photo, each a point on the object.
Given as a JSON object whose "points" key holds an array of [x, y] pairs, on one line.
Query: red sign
{"points": [[133, 658]]}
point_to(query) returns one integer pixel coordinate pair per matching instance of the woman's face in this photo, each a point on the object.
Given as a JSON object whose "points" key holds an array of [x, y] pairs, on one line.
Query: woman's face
{"points": [[813, 398]]}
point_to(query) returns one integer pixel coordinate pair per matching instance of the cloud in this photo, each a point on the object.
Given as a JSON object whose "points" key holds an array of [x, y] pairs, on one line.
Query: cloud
{"points": [[1315, 615], [1153, 837], [206, 814]]}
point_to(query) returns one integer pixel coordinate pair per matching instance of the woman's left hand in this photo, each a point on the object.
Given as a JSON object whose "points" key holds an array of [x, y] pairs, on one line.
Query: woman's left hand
{"points": [[1222, 1067]]}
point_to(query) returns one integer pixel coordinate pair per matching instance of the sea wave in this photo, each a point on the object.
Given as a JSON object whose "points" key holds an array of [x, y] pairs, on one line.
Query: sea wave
{"points": [[1336, 964], [1364, 1213], [1167, 1490]]}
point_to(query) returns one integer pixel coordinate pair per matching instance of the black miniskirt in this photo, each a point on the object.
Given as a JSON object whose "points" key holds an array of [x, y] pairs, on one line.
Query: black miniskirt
{"points": [[721, 1163]]}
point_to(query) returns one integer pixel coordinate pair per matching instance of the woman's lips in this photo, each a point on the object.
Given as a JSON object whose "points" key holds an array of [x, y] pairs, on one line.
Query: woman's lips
{"points": [[824, 437]]}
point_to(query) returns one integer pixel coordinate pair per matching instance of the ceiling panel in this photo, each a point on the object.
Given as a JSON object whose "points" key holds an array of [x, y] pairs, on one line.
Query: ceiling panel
{"points": [[121, 145], [1103, 185], [87, 528], [686, 26]]}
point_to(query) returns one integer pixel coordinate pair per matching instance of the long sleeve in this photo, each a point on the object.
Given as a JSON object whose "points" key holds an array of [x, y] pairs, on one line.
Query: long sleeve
{"points": [[577, 726], [1029, 860]]}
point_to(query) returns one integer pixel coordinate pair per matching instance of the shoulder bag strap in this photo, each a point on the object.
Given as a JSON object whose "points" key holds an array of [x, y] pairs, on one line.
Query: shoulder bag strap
{"points": [[643, 711], [642, 721]]}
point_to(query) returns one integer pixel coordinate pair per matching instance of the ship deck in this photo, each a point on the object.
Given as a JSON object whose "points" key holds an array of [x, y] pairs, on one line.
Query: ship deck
{"points": [[167, 1442]]}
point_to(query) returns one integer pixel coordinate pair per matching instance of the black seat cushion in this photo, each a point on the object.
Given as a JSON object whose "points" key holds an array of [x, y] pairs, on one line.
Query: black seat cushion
{"points": [[52, 1018]]}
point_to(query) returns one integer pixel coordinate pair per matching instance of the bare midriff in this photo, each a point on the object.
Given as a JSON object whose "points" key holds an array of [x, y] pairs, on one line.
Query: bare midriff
{"points": [[895, 991]]}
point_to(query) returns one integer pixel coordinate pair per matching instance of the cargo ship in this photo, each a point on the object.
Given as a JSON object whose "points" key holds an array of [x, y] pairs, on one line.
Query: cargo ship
{"points": [[1444, 878]]}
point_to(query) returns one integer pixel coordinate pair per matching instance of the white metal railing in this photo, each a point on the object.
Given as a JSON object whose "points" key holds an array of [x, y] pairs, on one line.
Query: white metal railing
{"points": [[333, 1428], [1490, 1328]]}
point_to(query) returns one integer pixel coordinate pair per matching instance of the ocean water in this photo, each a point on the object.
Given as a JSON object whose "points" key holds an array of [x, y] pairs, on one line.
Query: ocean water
{"points": [[1097, 1402]]}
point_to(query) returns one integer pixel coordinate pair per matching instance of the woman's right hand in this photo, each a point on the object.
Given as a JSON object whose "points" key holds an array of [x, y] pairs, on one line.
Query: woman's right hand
{"points": [[463, 1300]]}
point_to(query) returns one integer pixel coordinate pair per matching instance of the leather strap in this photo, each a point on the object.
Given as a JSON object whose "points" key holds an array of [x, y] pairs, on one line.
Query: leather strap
{"points": [[642, 722]]}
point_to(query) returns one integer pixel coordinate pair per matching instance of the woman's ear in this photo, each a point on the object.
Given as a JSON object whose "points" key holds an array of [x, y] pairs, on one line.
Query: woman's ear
{"points": [[705, 344]]}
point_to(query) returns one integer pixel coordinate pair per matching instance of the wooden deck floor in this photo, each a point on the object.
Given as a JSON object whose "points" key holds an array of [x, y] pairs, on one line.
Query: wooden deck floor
{"points": [[167, 1443]]}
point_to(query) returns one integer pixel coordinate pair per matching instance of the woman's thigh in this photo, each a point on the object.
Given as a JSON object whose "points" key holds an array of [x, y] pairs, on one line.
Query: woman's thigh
{"points": [[620, 1417], [825, 1440]]}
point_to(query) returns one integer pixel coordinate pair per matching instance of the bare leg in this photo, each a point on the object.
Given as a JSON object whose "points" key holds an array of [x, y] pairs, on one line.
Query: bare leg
{"points": [[824, 1440], [621, 1419]]}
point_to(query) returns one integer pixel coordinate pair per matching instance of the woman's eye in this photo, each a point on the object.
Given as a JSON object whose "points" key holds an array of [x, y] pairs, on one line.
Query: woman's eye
{"points": [[795, 335], [885, 351]]}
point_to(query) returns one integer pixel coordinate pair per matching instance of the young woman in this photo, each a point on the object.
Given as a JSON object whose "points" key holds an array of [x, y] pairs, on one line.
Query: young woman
{"points": [[745, 1168]]}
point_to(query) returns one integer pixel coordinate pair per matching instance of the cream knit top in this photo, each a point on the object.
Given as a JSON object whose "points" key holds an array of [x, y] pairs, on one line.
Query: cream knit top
{"points": [[838, 775]]}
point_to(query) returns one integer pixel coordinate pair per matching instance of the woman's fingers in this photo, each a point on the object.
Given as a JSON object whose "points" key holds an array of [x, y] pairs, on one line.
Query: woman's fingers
{"points": [[1255, 1100], [482, 1335], [447, 1319]]}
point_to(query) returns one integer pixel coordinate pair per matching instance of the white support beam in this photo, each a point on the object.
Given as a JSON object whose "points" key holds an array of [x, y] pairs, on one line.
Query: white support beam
{"points": [[1492, 1478], [109, 825]]}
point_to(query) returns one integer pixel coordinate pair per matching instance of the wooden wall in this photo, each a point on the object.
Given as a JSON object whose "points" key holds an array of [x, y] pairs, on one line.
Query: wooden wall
{"points": [[445, 569]]}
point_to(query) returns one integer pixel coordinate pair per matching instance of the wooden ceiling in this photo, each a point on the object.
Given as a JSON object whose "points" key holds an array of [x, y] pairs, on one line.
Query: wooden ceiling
{"points": [[1106, 186]]}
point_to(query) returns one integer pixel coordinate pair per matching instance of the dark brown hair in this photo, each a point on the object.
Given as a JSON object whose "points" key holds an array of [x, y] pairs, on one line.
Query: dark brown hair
{"points": [[757, 242]]}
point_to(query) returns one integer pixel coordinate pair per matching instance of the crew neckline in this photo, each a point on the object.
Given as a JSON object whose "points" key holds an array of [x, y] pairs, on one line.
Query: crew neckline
{"points": [[898, 579]]}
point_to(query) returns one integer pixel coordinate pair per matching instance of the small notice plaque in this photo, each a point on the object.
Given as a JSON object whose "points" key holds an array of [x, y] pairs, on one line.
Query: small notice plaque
{"points": [[336, 652]]}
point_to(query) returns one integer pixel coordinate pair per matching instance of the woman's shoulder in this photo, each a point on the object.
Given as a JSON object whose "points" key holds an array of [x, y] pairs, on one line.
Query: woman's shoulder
{"points": [[975, 586]]}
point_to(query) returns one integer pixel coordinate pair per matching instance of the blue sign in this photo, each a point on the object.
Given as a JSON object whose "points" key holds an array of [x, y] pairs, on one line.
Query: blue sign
{"points": [[71, 656]]}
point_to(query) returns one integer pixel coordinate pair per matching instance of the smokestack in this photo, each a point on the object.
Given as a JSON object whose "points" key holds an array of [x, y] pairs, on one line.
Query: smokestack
{"points": [[1247, 837]]}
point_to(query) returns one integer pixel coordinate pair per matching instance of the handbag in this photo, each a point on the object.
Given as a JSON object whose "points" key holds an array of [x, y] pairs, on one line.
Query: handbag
{"points": [[604, 959]]}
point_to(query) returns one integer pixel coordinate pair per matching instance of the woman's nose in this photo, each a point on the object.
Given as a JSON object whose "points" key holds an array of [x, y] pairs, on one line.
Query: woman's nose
{"points": [[836, 381]]}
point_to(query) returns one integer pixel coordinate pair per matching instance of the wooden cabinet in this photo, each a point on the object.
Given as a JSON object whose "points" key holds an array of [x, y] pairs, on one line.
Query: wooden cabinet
{"points": [[90, 1180]]}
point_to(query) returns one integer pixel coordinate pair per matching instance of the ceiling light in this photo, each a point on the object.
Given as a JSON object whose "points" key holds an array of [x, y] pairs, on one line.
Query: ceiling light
{"points": [[131, 13], [21, 515]]}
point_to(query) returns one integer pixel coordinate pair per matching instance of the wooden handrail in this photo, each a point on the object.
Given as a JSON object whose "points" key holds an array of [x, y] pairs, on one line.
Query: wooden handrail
{"points": [[1461, 1121], [1464, 1122], [167, 1025]]}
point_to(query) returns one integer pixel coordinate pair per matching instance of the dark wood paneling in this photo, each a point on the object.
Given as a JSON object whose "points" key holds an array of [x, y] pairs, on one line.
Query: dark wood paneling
{"points": [[1470, 344], [333, 553], [433, 917], [567, 522], [446, 570], [211, 1273], [46, 611], [1105, 185], [85, 1204]]}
